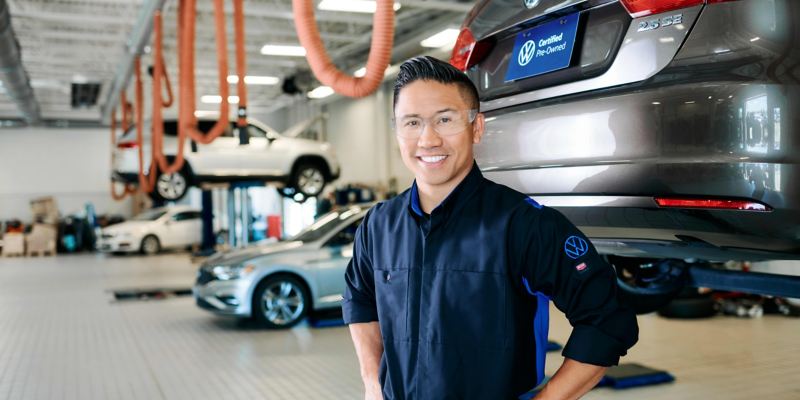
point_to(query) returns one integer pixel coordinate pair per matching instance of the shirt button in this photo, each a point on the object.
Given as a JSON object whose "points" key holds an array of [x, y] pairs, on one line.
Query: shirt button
{"points": [[388, 277]]}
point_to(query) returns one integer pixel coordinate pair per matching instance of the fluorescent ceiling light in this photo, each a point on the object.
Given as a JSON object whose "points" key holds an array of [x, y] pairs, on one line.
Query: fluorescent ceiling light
{"points": [[362, 72], [205, 113], [283, 50], [446, 37], [320, 92], [255, 80], [214, 99], [357, 6]]}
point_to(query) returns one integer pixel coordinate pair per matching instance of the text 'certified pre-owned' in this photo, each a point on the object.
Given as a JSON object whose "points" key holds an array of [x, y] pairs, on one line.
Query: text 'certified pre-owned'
{"points": [[543, 48]]}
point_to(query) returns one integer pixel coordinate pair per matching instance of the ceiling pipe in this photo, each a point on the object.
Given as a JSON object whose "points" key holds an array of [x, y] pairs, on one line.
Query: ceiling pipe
{"points": [[15, 80], [134, 47]]}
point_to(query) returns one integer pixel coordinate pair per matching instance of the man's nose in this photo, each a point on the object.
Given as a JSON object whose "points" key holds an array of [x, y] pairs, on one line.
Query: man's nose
{"points": [[429, 137]]}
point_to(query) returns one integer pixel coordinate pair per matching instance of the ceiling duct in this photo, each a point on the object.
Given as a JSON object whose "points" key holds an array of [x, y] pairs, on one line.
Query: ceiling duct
{"points": [[15, 80]]}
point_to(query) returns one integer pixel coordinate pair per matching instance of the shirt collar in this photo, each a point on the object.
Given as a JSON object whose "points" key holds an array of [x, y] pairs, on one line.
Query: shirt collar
{"points": [[466, 187]]}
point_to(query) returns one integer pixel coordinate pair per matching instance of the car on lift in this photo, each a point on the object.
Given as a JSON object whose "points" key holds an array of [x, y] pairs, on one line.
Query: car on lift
{"points": [[304, 166], [152, 231], [665, 130], [278, 284]]}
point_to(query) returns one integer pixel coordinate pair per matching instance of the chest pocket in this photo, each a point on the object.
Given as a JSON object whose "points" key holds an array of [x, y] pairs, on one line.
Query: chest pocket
{"points": [[391, 294], [466, 308]]}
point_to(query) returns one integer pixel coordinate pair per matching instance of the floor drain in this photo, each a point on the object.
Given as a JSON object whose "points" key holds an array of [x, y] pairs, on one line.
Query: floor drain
{"points": [[149, 294]]}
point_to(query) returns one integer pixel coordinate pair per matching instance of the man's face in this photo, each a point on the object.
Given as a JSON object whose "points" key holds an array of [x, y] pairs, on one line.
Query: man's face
{"points": [[433, 158]]}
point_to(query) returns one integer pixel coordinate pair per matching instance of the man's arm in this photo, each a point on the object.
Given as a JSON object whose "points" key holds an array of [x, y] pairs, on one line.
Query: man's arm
{"points": [[557, 260], [369, 348], [573, 380], [361, 313]]}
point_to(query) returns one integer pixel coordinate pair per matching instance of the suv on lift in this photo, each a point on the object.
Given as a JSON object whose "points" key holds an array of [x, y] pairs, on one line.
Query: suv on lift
{"points": [[663, 129], [304, 166]]}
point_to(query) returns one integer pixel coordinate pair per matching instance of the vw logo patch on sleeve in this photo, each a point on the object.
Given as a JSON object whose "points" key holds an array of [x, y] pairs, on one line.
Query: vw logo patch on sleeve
{"points": [[575, 247]]}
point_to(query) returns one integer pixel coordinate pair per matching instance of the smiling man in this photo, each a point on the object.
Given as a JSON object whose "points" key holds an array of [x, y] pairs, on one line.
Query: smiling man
{"points": [[448, 289]]}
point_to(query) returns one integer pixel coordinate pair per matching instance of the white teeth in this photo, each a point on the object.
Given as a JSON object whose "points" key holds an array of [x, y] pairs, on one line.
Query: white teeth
{"points": [[433, 159]]}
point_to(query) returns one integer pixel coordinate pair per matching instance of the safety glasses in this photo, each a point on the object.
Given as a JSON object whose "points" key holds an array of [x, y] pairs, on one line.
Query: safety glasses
{"points": [[445, 123]]}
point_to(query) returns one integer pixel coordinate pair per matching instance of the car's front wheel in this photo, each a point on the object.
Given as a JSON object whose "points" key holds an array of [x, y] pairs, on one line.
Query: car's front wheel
{"points": [[280, 302], [150, 245]]}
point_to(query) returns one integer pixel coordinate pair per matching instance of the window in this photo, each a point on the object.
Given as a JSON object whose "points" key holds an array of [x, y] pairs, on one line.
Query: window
{"points": [[256, 132], [204, 126], [185, 216], [346, 235], [150, 215]]}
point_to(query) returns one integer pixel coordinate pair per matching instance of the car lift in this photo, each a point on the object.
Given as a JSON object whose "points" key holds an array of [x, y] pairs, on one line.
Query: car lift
{"points": [[237, 210]]}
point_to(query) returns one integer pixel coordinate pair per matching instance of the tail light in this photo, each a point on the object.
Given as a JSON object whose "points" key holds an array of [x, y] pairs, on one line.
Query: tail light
{"points": [[127, 145], [467, 51], [641, 8], [712, 204]]}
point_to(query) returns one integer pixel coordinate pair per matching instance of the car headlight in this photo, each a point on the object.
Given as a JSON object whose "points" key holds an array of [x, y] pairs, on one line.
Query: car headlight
{"points": [[228, 272]]}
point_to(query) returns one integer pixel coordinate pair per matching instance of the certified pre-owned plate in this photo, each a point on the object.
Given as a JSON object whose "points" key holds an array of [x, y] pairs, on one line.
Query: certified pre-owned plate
{"points": [[542, 49]]}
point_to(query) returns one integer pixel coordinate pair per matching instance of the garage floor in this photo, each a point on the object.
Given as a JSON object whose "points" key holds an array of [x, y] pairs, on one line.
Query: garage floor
{"points": [[63, 337]]}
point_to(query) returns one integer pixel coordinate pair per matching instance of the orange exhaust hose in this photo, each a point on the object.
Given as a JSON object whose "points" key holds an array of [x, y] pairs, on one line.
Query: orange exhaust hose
{"points": [[166, 103], [380, 50], [241, 61], [128, 188], [187, 121], [157, 120], [146, 183], [126, 110]]}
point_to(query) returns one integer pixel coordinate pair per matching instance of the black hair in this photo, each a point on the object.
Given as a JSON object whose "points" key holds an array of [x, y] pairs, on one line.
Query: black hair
{"points": [[432, 69]]}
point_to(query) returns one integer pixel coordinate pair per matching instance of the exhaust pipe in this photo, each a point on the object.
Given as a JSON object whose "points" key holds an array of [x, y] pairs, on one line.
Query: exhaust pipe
{"points": [[12, 74]]}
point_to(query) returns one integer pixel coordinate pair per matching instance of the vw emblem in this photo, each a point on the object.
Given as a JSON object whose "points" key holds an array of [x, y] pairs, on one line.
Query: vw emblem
{"points": [[530, 3], [575, 247], [526, 53]]}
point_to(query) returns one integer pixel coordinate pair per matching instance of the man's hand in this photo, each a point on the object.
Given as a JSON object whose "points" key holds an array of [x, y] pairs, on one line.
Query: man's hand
{"points": [[369, 349], [572, 381]]}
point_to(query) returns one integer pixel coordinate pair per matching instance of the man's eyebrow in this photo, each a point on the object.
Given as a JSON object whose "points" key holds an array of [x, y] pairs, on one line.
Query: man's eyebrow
{"points": [[409, 116], [419, 116]]}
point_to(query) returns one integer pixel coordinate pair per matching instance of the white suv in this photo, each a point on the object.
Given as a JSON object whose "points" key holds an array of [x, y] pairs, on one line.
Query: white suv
{"points": [[304, 166]]}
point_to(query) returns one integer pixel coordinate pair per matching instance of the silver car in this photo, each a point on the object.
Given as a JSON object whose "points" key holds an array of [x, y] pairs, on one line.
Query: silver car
{"points": [[278, 284]]}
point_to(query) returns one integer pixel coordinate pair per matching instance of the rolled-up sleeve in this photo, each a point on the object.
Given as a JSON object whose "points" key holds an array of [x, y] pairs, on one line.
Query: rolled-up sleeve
{"points": [[556, 259], [358, 303]]}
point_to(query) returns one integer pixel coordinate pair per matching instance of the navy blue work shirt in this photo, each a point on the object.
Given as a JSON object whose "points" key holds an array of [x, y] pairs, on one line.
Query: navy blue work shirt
{"points": [[461, 295]]}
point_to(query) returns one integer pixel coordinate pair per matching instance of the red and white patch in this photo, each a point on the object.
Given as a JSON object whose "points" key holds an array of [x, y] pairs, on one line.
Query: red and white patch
{"points": [[581, 267]]}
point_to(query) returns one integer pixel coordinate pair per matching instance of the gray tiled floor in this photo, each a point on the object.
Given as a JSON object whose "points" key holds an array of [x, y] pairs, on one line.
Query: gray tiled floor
{"points": [[61, 337]]}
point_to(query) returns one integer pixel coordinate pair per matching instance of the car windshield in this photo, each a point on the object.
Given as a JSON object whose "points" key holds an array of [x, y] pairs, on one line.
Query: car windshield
{"points": [[324, 225], [151, 215]]}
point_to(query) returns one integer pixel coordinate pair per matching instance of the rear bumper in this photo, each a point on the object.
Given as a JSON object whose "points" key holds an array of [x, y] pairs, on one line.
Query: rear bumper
{"points": [[635, 226]]}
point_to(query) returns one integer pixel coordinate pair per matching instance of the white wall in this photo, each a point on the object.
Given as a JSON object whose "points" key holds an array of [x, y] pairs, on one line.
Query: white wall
{"points": [[71, 165]]}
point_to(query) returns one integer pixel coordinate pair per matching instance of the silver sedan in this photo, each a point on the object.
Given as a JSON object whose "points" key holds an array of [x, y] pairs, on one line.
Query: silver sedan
{"points": [[278, 284]]}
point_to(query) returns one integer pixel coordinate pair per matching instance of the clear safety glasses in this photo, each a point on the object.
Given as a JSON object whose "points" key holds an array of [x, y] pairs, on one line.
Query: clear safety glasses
{"points": [[445, 123]]}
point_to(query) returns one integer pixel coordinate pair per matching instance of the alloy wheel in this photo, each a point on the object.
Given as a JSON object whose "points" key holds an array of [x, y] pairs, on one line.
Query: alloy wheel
{"points": [[283, 303], [171, 186]]}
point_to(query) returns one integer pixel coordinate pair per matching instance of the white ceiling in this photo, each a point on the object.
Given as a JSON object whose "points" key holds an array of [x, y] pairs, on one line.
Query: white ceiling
{"points": [[65, 40]]}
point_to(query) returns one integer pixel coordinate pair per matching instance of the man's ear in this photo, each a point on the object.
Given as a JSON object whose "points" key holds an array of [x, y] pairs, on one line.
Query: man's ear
{"points": [[478, 127]]}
